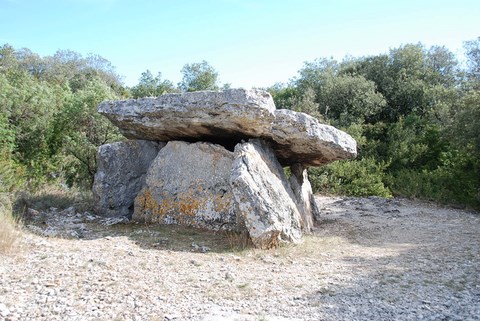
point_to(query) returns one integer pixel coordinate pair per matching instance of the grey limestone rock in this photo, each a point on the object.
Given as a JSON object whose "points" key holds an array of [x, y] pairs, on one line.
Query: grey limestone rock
{"points": [[121, 169], [197, 180], [227, 118], [302, 189], [223, 117], [300, 138], [263, 195], [188, 184]]}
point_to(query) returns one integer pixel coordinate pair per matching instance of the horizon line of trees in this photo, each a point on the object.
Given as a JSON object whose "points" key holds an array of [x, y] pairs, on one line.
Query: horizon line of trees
{"points": [[414, 112]]}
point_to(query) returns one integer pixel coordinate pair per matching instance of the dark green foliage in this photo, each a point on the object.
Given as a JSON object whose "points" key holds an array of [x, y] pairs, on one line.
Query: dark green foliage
{"points": [[472, 49], [82, 130], [447, 184], [362, 177], [283, 95], [413, 111], [8, 178], [149, 86], [199, 76], [49, 126], [414, 114], [347, 99]]}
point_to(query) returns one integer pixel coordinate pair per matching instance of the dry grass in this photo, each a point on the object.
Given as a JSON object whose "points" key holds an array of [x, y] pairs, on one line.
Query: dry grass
{"points": [[53, 196], [9, 230], [239, 241]]}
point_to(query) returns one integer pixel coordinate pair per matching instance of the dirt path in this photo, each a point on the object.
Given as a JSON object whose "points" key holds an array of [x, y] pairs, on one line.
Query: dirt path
{"points": [[369, 259]]}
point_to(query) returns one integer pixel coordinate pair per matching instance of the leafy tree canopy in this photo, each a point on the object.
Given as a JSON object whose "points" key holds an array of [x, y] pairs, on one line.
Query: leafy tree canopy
{"points": [[199, 76], [149, 86]]}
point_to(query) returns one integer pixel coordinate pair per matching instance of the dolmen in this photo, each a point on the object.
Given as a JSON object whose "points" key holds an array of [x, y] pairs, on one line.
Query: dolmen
{"points": [[216, 160]]}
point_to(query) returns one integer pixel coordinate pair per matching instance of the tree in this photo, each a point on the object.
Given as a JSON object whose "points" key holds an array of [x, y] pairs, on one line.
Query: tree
{"points": [[49, 126], [306, 103], [343, 99], [472, 51], [347, 99], [82, 130], [198, 76], [283, 95], [30, 107], [149, 86], [314, 74], [7, 175], [443, 66]]}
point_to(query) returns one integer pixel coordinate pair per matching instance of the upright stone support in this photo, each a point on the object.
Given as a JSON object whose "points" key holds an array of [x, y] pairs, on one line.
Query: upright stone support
{"points": [[188, 184], [264, 197], [302, 189], [121, 175]]}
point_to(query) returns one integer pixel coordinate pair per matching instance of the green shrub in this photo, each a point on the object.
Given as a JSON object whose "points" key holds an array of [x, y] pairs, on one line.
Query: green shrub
{"points": [[363, 177], [444, 185]]}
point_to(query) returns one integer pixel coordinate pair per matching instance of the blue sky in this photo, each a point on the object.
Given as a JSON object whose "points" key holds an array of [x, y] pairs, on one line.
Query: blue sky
{"points": [[250, 43]]}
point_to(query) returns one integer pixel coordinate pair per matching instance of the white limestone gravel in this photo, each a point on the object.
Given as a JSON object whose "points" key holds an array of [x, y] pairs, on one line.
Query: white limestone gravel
{"points": [[369, 259]]}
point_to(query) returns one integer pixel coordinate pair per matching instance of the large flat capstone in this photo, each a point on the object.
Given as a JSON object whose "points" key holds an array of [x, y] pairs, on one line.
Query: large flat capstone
{"points": [[223, 117], [228, 117]]}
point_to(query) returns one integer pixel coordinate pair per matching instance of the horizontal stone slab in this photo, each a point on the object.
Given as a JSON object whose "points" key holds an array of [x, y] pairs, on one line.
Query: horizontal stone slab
{"points": [[301, 138], [227, 118], [223, 117]]}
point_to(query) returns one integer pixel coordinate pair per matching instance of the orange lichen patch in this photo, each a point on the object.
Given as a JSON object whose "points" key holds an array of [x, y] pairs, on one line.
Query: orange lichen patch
{"points": [[150, 208], [186, 208], [222, 203]]}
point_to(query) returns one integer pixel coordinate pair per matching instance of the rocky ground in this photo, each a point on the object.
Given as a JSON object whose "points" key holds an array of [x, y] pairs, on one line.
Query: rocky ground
{"points": [[369, 259]]}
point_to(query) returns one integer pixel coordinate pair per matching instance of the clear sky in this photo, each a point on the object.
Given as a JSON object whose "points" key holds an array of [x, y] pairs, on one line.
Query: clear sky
{"points": [[250, 43]]}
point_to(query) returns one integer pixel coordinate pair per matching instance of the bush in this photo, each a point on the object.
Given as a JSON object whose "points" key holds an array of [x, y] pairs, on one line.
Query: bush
{"points": [[444, 185], [363, 177]]}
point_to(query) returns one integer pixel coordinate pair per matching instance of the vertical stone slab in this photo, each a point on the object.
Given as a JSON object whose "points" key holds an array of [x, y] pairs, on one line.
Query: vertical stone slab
{"points": [[302, 190], [188, 184], [121, 169], [263, 195]]}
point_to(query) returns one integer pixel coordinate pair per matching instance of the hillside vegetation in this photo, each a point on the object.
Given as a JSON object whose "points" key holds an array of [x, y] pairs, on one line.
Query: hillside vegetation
{"points": [[413, 111]]}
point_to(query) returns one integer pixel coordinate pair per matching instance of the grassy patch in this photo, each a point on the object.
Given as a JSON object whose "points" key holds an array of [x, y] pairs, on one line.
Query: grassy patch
{"points": [[239, 241], [178, 237], [56, 196], [9, 229]]}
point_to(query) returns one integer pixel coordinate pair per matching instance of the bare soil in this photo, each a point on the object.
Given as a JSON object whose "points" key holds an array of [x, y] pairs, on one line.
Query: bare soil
{"points": [[368, 259]]}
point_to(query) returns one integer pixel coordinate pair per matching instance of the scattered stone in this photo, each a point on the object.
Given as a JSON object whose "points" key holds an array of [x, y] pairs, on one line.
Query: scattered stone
{"points": [[354, 268], [114, 220], [198, 248], [32, 213], [70, 211], [195, 246], [89, 217], [264, 197], [4, 311], [229, 276], [121, 175]]}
